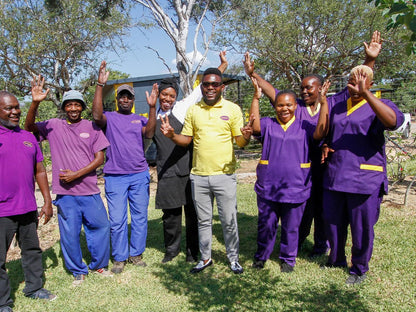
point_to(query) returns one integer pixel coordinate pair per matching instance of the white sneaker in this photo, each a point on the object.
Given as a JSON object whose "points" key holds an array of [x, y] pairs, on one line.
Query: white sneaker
{"points": [[236, 267], [201, 266]]}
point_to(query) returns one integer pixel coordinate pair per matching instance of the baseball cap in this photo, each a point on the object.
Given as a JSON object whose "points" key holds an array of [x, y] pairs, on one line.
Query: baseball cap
{"points": [[125, 87]]}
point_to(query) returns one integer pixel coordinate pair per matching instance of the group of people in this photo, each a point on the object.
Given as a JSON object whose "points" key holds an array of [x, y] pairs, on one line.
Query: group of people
{"points": [[322, 160], [195, 165]]}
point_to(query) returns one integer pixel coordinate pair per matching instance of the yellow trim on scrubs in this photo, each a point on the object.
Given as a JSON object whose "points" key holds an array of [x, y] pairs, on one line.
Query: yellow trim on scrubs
{"points": [[318, 108], [305, 165], [351, 109], [286, 125], [371, 167], [263, 162]]}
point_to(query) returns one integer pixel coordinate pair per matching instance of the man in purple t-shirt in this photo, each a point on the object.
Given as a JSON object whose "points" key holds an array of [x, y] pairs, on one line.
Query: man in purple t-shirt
{"points": [[20, 161], [77, 150], [126, 171]]}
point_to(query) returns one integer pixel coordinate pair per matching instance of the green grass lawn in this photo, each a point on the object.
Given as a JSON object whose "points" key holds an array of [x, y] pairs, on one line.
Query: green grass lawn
{"points": [[390, 286]]}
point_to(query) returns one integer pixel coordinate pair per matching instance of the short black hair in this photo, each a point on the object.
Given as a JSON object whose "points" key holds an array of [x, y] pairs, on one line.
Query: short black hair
{"points": [[316, 76], [283, 92], [212, 71]]}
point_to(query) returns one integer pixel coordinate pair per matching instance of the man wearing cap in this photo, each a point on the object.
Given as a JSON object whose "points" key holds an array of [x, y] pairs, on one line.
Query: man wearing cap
{"points": [[77, 150], [126, 171], [173, 168], [213, 124], [20, 162]]}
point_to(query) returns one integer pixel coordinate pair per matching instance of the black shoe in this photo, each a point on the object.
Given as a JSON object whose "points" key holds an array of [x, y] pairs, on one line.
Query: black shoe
{"points": [[354, 279], [286, 268], [191, 259], [43, 294], [258, 264], [331, 265], [201, 266], [167, 258], [6, 309]]}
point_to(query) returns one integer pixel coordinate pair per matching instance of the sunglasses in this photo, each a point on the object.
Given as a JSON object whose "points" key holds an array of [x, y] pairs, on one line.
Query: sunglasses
{"points": [[206, 84]]}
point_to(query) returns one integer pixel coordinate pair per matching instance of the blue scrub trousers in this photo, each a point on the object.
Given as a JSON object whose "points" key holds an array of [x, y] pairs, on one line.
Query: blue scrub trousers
{"points": [[134, 188], [73, 213]]}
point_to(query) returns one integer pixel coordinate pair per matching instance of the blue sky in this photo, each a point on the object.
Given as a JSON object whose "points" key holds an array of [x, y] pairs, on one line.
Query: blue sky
{"points": [[141, 61]]}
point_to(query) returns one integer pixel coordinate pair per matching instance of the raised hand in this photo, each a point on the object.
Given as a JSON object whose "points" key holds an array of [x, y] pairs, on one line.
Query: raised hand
{"points": [[257, 89], [38, 95], [166, 128], [102, 73], [223, 57], [247, 130], [360, 83], [152, 98], [373, 49], [324, 91], [248, 64]]}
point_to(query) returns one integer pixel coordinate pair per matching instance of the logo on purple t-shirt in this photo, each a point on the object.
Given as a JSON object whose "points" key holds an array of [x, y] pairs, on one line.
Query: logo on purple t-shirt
{"points": [[27, 143], [136, 121], [84, 135], [225, 117]]}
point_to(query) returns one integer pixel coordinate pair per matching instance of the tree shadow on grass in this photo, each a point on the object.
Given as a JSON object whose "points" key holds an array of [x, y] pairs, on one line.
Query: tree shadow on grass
{"points": [[15, 270], [218, 289]]}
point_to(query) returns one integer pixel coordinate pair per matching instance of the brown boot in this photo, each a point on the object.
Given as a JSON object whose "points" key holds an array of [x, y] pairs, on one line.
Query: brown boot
{"points": [[137, 260], [118, 267]]}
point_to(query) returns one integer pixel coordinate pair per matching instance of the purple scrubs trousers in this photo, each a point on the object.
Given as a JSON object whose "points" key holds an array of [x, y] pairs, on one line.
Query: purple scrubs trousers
{"points": [[361, 212], [291, 216]]}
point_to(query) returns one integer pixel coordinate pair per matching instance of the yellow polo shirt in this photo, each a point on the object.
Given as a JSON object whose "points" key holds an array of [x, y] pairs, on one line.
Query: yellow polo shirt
{"points": [[213, 129]]}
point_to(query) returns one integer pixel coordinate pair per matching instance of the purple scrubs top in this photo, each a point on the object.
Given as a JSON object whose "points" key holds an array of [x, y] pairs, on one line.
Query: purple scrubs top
{"points": [[358, 164], [283, 173], [302, 112], [73, 147], [19, 154], [126, 152]]}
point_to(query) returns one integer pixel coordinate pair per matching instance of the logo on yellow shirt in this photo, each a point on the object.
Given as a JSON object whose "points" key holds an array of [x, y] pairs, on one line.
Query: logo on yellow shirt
{"points": [[225, 118]]}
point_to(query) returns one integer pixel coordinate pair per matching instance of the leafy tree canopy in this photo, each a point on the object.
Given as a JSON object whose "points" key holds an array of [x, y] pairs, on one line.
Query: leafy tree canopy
{"points": [[400, 13], [59, 39], [292, 38]]}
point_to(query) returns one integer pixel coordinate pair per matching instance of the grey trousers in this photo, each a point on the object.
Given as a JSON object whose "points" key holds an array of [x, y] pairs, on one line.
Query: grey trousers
{"points": [[224, 189]]}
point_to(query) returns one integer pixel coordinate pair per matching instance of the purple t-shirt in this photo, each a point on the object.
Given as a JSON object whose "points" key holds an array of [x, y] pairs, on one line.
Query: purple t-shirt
{"points": [[73, 147], [358, 164], [19, 154], [125, 154], [283, 173]]}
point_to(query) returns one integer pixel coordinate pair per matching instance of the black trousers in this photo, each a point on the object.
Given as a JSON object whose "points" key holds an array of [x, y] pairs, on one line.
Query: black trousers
{"points": [[25, 228], [172, 228]]}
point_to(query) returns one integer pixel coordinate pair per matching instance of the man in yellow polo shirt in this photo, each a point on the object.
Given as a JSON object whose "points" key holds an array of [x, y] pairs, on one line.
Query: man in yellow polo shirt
{"points": [[212, 124]]}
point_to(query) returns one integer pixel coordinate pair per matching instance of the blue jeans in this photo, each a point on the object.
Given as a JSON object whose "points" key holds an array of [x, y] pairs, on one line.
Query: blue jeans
{"points": [[134, 188], [73, 213]]}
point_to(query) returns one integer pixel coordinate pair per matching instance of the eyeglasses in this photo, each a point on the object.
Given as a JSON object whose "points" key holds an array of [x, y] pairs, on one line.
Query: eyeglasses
{"points": [[206, 84]]}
